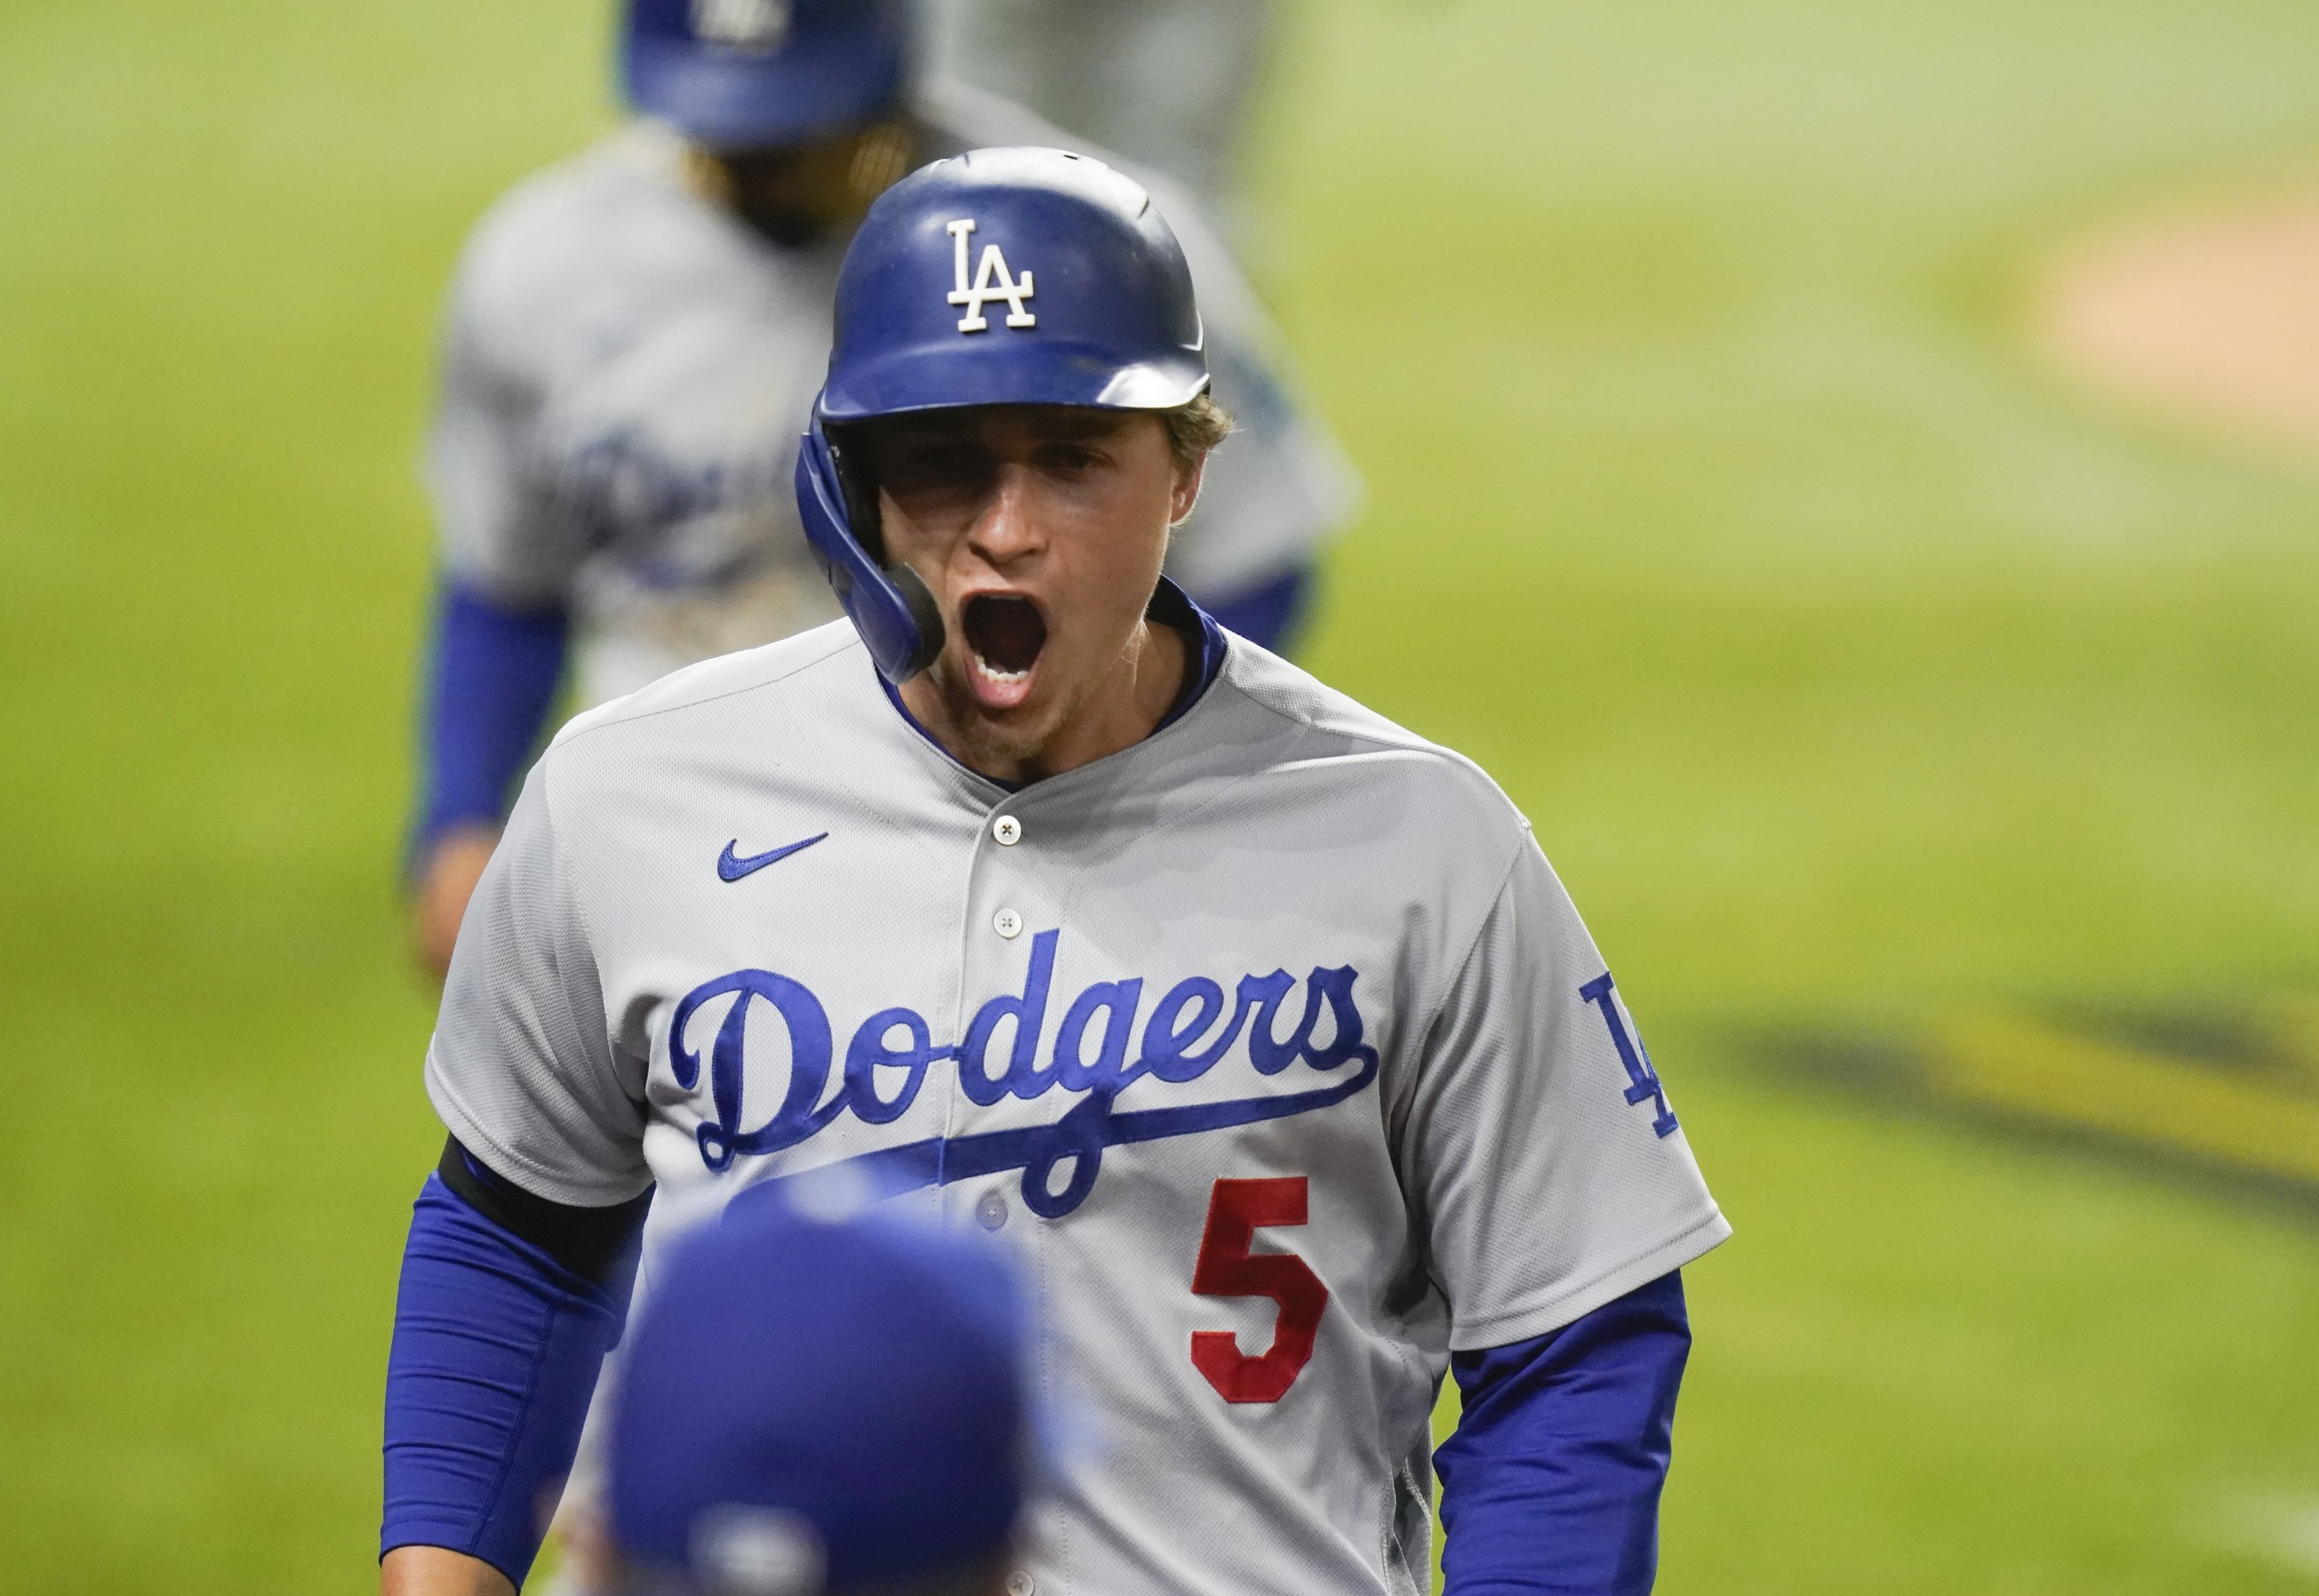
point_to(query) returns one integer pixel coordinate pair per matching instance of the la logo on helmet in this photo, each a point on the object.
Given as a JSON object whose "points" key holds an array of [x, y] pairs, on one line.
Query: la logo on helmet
{"points": [[750, 27], [992, 280]]}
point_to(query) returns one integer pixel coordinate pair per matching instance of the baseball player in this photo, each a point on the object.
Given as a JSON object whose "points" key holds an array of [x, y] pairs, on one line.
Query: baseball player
{"points": [[822, 1403], [1030, 899], [633, 341]]}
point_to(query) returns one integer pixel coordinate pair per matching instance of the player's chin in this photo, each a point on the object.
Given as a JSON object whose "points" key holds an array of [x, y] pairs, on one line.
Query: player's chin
{"points": [[1002, 639]]}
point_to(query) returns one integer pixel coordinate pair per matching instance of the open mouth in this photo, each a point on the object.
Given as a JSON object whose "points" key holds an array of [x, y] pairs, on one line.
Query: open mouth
{"points": [[1003, 634]]}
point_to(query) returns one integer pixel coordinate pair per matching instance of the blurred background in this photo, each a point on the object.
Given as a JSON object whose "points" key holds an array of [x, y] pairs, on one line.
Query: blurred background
{"points": [[1838, 466]]}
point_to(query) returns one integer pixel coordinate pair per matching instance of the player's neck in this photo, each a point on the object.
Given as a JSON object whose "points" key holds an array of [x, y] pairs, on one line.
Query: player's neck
{"points": [[1117, 710]]}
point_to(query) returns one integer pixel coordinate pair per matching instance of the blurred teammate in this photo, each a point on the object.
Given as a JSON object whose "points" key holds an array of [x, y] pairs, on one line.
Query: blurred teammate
{"points": [[1170, 83], [814, 1405], [1034, 900], [633, 339]]}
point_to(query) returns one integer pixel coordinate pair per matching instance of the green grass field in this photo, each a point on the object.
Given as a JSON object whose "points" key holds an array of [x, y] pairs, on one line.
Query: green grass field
{"points": [[1854, 671]]}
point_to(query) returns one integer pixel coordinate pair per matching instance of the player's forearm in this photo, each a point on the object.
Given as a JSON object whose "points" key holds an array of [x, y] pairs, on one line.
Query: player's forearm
{"points": [[1551, 1482], [433, 1571], [501, 1329], [492, 675]]}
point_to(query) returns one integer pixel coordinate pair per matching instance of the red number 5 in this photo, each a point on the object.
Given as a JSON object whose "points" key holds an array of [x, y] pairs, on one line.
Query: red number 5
{"points": [[1227, 1268]]}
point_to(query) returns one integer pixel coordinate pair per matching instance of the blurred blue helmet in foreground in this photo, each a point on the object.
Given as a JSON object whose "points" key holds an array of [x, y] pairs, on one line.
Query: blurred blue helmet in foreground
{"points": [[813, 1405], [763, 74], [1000, 276]]}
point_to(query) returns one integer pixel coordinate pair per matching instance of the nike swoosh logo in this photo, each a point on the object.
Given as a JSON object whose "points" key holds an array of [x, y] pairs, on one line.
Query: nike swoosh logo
{"points": [[730, 867]]}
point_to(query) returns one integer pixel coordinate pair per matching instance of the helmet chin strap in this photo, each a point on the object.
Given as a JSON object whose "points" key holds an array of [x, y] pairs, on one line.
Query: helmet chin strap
{"points": [[891, 606], [926, 614]]}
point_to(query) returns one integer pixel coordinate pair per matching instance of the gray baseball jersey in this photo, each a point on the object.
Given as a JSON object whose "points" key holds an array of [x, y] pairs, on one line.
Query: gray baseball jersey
{"points": [[627, 368], [1272, 1041]]}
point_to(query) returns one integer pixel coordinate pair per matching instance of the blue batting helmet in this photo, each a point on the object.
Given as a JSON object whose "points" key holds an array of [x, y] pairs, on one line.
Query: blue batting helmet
{"points": [[1000, 276], [763, 74], [813, 1404]]}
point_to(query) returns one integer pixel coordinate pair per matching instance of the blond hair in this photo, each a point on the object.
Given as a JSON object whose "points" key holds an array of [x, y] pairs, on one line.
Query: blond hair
{"points": [[1195, 427]]}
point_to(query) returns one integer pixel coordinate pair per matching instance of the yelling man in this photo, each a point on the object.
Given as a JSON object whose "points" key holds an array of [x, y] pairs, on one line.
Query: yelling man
{"points": [[1031, 899]]}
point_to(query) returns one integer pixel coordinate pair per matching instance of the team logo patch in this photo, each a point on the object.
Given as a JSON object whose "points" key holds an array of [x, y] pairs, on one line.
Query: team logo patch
{"points": [[1108, 1046], [992, 280], [747, 27], [1643, 1083]]}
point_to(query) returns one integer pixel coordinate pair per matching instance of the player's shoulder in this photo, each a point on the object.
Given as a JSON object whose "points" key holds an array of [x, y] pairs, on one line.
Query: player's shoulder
{"points": [[791, 716], [729, 708], [568, 220], [1296, 725], [680, 699]]}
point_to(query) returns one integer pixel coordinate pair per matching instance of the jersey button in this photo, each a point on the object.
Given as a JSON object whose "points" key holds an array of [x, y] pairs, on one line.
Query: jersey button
{"points": [[1020, 1583], [991, 1214], [1007, 830], [1007, 924]]}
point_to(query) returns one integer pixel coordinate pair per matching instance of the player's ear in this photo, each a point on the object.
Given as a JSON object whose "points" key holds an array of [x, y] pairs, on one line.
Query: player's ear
{"points": [[1186, 492]]}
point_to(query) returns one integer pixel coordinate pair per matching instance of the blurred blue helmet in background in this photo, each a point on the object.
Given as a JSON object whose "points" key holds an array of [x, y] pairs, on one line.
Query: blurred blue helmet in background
{"points": [[1000, 276], [820, 1404], [764, 74]]}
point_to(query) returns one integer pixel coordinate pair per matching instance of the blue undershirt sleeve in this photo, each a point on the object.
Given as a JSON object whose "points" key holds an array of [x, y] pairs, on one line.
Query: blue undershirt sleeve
{"points": [[1270, 615], [1551, 1482], [496, 1350], [491, 681]]}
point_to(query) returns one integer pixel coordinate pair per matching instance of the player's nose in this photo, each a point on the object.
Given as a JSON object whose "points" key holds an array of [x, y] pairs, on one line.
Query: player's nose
{"points": [[1009, 528]]}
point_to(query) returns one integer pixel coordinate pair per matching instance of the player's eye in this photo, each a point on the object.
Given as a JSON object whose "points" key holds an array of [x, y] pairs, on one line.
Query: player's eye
{"points": [[1069, 456], [921, 465]]}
